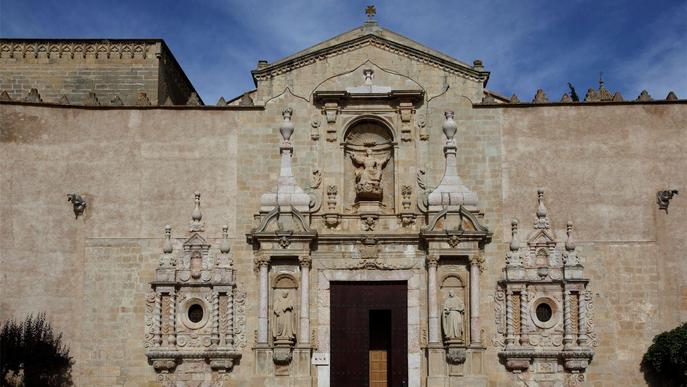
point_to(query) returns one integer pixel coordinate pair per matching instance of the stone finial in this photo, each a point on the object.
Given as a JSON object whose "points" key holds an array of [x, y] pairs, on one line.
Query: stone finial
{"points": [[168, 102], [196, 215], [604, 94], [591, 96], [116, 101], [193, 100], [142, 99], [542, 221], [617, 97], [451, 191], [449, 126], [488, 99], [288, 194], [566, 98], [246, 100], [4, 96], [644, 96], [478, 65], [33, 96], [221, 101], [287, 127], [671, 96], [224, 247], [167, 247], [91, 100], [569, 241], [514, 242], [63, 100], [514, 99], [540, 97]]}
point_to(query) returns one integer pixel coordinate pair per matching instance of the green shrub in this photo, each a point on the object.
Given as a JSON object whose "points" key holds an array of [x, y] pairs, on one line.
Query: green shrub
{"points": [[32, 355], [665, 362]]}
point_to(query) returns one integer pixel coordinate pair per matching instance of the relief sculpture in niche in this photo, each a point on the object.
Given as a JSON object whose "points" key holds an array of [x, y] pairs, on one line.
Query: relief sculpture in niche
{"points": [[369, 146]]}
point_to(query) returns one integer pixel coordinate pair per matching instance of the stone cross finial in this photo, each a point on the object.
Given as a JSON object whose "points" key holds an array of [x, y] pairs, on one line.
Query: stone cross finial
{"points": [[286, 128], [370, 11], [196, 215], [569, 242], [514, 242], [224, 247], [542, 221], [167, 247]]}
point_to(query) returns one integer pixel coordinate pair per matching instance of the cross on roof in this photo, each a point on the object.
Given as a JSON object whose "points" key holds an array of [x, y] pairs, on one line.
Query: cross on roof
{"points": [[370, 11]]}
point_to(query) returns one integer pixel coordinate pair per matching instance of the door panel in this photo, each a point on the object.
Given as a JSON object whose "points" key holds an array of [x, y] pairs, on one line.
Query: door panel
{"points": [[351, 303]]}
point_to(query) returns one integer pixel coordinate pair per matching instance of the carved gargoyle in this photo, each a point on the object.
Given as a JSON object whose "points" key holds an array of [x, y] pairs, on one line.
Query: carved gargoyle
{"points": [[78, 202]]}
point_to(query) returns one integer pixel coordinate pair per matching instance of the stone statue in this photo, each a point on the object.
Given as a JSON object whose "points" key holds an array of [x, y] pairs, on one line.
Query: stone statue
{"points": [[452, 317], [283, 318], [368, 174]]}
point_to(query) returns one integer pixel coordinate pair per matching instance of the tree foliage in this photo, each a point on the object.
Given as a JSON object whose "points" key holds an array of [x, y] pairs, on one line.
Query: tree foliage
{"points": [[665, 362], [32, 349]]}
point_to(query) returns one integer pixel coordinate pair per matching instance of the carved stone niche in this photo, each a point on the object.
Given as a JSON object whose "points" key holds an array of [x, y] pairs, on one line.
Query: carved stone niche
{"points": [[454, 316], [285, 309], [369, 167], [543, 303], [194, 312]]}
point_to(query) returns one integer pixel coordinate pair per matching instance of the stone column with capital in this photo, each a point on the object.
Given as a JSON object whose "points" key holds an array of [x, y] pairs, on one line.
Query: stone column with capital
{"points": [[434, 333], [262, 263], [476, 267], [305, 262]]}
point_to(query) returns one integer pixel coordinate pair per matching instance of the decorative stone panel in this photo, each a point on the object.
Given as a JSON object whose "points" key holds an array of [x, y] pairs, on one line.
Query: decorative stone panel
{"points": [[194, 315], [543, 304]]}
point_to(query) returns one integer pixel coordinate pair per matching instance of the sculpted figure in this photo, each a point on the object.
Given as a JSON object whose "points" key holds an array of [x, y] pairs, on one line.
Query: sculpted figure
{"points": [[283, 317], [452, 317], [368, 174]]}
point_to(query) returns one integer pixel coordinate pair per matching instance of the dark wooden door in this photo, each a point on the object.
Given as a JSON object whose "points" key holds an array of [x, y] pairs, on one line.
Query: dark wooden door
{"points": [[352, 303]]}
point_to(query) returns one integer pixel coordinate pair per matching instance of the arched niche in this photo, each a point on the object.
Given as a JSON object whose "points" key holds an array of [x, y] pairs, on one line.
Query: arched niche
{"points": [[369, 174], [452, 282]]}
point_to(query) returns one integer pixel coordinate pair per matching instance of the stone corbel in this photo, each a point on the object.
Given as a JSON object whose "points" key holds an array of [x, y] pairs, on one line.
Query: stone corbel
{"points": [[406, 111], [164, 365], [456, 354], [407, 216]]}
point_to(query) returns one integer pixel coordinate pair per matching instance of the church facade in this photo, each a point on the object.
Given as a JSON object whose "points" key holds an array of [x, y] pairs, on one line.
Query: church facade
{"points": [[369, 215]]}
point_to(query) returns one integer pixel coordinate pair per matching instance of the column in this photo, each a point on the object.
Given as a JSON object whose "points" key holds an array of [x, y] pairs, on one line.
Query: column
{"points": [[305, 262], [172, 338], [432, 263], [263, 292], [582, 320], [157, 321], [229, 338], [510, 337], [524, 339], [567, 334], [475, 270]]}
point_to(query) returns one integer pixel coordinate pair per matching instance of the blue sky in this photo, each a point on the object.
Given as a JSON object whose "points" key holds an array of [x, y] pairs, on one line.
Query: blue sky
{"points": [[525, 44]]}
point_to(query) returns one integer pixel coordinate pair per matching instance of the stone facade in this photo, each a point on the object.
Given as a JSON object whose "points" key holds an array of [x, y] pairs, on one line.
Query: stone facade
{"points": [[365, 158]]}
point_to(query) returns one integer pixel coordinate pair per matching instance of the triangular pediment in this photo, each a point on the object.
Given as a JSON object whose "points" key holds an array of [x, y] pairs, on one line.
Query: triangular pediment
{"points": [[370, 34], [196, 240]]}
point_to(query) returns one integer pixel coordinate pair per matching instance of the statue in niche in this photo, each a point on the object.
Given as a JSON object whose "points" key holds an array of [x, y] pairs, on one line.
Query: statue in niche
{"points": [[452, 317], [283, 318]]}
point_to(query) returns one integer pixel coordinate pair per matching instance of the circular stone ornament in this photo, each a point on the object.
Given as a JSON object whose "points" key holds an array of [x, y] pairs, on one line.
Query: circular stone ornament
{"points": [[545, 312], [195, 313]]}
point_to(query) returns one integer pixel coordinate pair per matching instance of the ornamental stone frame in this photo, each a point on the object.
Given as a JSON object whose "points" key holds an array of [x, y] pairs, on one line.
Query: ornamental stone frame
{"points": [[413, 278]]}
